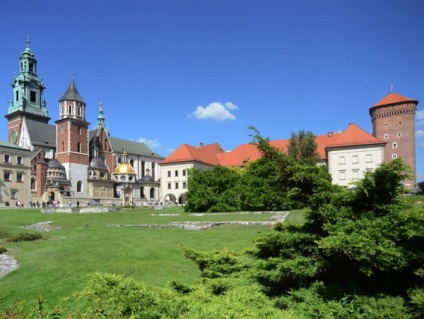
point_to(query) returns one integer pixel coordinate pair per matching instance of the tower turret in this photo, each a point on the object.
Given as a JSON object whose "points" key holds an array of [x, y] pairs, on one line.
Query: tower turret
{"points": [[393, 121], [28, 98], [72, 148]]}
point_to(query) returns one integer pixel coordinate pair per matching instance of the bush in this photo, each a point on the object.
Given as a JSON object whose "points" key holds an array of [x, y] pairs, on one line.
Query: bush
{"points": [[2, 249], [25, 237]]}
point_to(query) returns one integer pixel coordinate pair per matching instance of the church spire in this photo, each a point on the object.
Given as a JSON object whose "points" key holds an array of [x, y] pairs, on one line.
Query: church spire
{"points": [[28, 88], [100, 118]]}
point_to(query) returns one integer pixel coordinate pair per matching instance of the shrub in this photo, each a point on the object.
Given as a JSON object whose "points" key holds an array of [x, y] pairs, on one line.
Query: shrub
{"points": [[26, 237], [2, 249]]}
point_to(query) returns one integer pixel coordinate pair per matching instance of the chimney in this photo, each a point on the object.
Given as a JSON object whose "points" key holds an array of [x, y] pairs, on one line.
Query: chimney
{"points": [[201, 145], [330, 134]]}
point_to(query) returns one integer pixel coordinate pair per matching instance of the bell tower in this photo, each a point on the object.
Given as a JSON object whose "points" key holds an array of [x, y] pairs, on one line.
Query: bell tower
{"points": [[28, 98], [72, 149], [393, 121]]}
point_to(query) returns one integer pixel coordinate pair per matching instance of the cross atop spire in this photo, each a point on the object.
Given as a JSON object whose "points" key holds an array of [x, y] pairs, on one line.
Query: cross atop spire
{"points": [[28, 41]]}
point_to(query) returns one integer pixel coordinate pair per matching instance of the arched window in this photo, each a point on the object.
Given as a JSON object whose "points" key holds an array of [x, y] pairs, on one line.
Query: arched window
{"points": [[63, 146], [79, 187], [79, 147], [152, 193], [69, 109]]}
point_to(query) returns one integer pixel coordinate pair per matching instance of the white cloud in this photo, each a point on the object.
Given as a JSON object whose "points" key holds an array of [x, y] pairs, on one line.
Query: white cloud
{"points": [[215, 111], [419, 133], [150, 143], [419, 117]]}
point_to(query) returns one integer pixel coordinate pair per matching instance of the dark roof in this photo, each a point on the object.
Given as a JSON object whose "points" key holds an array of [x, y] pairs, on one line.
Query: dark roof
{"points": [[55, 164], [97, 163], [132, 147], [42, 134], [72, 93]]}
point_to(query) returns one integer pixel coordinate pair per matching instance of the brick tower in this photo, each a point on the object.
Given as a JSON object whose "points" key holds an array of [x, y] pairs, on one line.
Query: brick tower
{"points": [[27, 99], [72, 149], [393, 121]]}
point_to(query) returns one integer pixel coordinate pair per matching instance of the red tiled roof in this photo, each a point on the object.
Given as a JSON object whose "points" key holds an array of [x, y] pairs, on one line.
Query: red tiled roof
{"points": [[212, 154], [352, 136], [184, 153], [239, 156], [393, 98]]}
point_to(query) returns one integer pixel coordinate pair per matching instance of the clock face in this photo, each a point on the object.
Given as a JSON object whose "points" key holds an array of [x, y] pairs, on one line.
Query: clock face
{"points": [[14, 137]]}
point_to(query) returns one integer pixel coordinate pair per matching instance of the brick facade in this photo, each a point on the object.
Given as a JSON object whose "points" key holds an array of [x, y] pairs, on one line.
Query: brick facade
{"points": [[395, 124]]}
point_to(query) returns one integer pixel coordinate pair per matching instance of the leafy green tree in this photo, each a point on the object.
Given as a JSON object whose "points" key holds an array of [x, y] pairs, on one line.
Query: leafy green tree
{"points": [[303, 147], [261, 189], [215, 190]]}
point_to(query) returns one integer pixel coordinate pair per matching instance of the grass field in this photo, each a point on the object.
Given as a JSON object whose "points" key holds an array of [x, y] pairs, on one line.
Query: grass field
{"points": [[56, 265]]}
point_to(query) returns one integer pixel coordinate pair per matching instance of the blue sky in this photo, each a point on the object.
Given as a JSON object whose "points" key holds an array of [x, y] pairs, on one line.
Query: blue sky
{"points": [[190, 71]]}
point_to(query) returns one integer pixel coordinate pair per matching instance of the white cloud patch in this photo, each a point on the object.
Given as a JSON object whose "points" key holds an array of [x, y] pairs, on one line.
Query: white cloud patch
{"points": [[215, 111], [419, 117], [152, 144]]}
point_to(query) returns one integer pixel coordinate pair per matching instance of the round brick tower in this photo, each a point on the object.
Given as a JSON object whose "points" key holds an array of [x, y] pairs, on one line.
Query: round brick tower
{"points": [[393, 121]]}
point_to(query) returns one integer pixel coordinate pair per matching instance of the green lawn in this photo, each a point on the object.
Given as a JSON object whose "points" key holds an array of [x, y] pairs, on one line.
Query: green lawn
{"points": [[56, 266]]}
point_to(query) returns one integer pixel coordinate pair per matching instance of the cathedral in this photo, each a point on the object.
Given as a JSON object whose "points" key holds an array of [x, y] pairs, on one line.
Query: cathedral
{"points": [[70, 162]]}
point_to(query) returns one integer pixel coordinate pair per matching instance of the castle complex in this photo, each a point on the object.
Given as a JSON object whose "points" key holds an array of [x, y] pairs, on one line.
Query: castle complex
{"points": [[67, 162]]}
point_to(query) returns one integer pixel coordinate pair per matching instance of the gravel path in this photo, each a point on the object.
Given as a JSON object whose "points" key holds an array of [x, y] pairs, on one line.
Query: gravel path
{"points": [[7, 264]]}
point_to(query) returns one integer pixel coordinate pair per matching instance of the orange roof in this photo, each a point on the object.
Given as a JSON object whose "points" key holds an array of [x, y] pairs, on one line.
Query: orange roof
{"points": [[205, 154], [239, 156], [393, 98], [212, 154], [352, 136]]}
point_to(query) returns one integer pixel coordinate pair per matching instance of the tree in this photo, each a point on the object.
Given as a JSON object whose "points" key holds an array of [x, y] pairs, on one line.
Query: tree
{"points": [[302, 147], [363, 249], [215, 190]]}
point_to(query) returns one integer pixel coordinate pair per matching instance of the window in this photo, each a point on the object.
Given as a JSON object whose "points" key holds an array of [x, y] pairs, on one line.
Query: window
{"points": [[399, 134], [385, 124], [395, 145], [63, 146], [33, 96], [6, 158], [368, 158], [184, 185], [184, 172], [169, 185], [69, 109], [17, 96], [62, 129], [394, 156], [19, 177], [342, 160], [79, 110], [386, 136], [33, 184], [79, 130], [79, 187], [342, 175], [355, 159], [79, 147], [176, 185], [355, 175], [19, 160], [6, 176], [13, 194], [169, 173], [176, 173]]}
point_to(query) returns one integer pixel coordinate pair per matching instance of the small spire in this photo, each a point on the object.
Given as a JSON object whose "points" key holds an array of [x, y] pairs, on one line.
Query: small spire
{"points": [[28, 41], [392, 88]]}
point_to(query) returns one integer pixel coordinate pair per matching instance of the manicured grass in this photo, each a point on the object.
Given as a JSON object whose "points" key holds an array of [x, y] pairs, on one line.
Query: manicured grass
{"points": [[55, 266], [297, 217]]}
